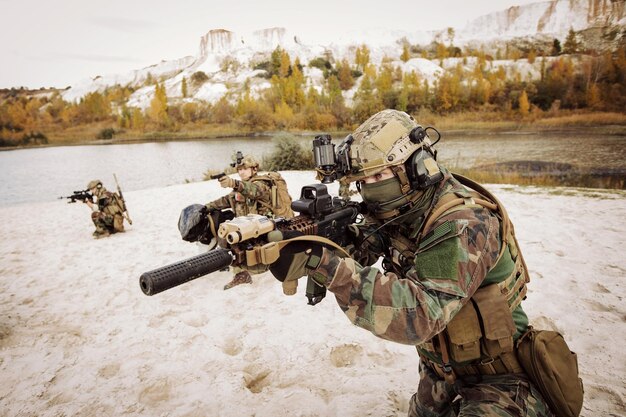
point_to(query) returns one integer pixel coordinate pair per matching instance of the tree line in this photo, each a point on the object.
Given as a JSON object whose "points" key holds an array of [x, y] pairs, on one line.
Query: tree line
{"points": [[574, 81]]}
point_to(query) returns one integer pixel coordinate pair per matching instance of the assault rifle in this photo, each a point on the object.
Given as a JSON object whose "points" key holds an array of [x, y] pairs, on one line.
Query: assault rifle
{"points": [[79, 196], [244, 241]]}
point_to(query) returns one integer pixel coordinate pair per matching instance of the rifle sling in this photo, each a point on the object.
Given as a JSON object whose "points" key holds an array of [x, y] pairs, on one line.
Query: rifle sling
{"points": [[269, 253]]}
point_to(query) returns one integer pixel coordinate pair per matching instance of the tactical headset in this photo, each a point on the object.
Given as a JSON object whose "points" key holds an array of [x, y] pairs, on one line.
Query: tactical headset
{"points": [[421, 167]]}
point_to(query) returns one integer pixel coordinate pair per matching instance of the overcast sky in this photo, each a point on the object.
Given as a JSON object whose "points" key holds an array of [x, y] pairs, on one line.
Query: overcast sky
{"points": [[54, 43]]}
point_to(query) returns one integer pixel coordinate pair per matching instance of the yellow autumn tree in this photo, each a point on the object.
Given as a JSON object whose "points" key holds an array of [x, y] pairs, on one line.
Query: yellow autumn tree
{"points": [[344, 75], [137, 119], [158, 106], [524, 104], [406, 54], [592, 96], [285, 65], [362, 57]]}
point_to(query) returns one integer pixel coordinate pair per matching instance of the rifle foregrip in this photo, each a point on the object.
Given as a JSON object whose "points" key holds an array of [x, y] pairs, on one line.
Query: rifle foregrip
{"points": [[169, 276]]}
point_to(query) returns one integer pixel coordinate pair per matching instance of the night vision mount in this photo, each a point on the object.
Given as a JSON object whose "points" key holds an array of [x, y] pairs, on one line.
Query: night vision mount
{"points": [[332, 164], [238, 159]]}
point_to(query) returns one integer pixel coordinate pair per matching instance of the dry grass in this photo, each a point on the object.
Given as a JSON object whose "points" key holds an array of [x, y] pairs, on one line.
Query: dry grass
{"points": [[462, 123], [579, 179], [583, 119], [500, 121]]}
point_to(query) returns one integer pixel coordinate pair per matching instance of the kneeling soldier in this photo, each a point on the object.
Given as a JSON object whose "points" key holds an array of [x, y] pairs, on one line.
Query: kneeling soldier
{"points": [[108, 211], [453, 276]]}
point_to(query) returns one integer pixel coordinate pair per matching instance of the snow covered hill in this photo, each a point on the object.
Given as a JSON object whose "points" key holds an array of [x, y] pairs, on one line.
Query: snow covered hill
{"points": [[228, 58]]}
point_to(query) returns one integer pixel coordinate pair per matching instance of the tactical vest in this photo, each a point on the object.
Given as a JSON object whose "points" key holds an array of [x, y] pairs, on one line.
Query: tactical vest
{"points": [[479, 339]]}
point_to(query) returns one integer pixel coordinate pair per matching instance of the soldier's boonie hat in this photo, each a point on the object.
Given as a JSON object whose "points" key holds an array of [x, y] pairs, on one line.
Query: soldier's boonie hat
{"points": [[94, 184], [382, 141]]}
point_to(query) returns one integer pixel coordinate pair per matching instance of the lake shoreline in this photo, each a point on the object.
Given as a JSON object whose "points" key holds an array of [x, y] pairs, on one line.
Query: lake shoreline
{"points": [[157, 137]]}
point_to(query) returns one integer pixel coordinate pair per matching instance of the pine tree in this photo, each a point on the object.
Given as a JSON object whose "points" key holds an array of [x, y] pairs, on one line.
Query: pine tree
{"points": [[344, 75], [183, 87], [556, 47], [366, 102], [571, 45], [275, 61]]}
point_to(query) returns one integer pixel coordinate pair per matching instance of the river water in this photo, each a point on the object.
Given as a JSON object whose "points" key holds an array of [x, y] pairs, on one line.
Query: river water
{"points": [[44, 174]]}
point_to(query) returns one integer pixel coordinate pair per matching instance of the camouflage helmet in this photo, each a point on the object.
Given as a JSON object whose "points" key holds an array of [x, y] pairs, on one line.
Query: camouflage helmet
{"points": [[94, 184], [380, 142], [248, 162]]}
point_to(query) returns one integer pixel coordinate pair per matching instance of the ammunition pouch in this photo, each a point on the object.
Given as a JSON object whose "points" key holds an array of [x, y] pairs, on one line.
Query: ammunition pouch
{"points": [[478, 340]]}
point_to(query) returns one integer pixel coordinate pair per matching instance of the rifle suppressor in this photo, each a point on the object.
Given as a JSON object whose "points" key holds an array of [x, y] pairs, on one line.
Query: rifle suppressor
{"points": [[169, 276]]}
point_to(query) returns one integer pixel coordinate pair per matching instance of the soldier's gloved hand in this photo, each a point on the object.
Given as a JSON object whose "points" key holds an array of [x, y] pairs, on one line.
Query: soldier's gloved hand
{"points": [[228, 182], [354, 237], [296, 259]]}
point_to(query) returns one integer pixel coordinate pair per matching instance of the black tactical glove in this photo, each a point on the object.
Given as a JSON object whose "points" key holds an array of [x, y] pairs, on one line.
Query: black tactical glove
{"points": [[296, 259]]}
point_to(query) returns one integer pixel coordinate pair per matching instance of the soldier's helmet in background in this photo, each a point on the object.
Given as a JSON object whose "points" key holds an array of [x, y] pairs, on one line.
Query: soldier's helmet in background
{"points": [[94, 184], [248, 162]]}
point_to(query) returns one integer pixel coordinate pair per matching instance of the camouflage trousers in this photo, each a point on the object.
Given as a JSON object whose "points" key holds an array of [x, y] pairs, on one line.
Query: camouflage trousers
{"points": [[107, 223], [497, 395]]}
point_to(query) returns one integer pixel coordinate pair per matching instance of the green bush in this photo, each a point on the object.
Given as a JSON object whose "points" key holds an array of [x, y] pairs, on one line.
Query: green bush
{"points": [[199, 78], [106, 133], [32, 138], [321, 63], [288, 154]]}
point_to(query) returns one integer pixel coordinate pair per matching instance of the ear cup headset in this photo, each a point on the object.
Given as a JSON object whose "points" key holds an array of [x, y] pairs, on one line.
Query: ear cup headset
{"points": [[422, 169]]}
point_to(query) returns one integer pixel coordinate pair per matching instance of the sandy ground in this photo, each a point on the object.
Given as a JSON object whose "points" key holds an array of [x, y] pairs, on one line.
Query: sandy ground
{"points": [[78, 337]]}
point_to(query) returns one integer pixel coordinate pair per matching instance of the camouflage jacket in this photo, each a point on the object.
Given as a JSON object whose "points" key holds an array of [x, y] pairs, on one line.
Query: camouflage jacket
{"points": [[418, 300], [250, 197]]}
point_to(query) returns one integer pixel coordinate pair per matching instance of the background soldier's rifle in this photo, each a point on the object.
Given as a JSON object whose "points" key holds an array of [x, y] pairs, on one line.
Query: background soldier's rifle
{"points": [[119, 191], [81, 196], [244, 241]]}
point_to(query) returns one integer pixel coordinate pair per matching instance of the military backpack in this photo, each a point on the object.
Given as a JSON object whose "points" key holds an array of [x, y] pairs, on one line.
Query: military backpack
{"points": [[280, 203]]}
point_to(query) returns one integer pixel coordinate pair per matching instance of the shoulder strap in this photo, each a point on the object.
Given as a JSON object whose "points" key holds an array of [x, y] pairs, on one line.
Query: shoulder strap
{"points": [[481, 197]]}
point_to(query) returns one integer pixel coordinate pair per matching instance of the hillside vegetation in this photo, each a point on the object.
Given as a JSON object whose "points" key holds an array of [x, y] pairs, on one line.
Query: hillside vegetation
{"points": [[573, 88]]}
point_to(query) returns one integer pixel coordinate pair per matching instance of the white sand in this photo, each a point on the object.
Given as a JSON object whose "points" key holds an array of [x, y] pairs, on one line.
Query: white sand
{"points": [[78, 337]]}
